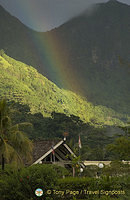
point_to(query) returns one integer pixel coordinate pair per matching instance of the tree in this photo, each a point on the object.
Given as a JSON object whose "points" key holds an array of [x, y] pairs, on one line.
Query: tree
{"points": [[117, 168], [120, 149], [2, 52], [14, 144]]}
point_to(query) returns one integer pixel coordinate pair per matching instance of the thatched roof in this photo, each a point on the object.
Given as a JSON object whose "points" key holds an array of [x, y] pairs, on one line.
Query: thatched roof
{"points": [[41, 147]]}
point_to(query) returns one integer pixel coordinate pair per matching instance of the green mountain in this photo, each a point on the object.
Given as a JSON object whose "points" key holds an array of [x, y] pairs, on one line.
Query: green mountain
{"points": [[23, 84], [95, 46], [15, 38]]}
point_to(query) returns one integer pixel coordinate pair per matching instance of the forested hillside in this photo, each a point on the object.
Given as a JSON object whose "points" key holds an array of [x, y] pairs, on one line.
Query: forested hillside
{"points": [[22, 83], [98, 52], [91, 49]]}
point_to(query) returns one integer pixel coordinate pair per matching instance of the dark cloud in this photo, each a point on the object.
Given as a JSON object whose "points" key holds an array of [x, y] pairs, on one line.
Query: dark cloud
{"points": [[46, 14]]}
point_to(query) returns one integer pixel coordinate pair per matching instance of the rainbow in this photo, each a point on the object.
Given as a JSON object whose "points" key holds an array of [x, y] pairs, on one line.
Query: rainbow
{"points": [[57, 66]]}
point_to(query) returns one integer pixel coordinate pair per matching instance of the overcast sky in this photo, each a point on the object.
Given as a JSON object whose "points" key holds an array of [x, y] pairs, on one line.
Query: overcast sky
{"points": [[44, 15]]}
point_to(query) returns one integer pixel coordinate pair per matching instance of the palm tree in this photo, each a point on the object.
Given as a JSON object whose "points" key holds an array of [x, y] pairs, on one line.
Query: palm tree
{"points": [[14, 144]]}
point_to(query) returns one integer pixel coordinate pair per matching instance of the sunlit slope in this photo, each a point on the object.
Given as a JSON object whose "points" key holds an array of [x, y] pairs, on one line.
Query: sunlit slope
{"points": [[89, 54], [25, 85]]}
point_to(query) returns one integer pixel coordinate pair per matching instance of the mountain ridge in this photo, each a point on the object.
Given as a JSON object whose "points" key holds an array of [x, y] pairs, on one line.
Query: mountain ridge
{"points": [[97, 53]]}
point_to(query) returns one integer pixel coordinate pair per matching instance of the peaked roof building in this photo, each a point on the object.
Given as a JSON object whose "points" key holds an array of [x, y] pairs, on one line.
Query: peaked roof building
{"points": [[52, 152]]}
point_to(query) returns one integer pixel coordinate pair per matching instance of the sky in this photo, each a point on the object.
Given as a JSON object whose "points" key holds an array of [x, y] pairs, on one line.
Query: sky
{"points": [[44, 15]]}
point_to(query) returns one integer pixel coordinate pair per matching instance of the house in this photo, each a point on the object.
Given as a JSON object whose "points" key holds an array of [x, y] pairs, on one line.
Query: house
{"points": [[52, 152]]}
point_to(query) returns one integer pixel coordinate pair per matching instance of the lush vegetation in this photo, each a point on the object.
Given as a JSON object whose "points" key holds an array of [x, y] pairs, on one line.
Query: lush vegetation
{"points": [[21, 185], [34, 99], [23, 84], [92, 49], [14, 144], [94, 139], [51, 112]]}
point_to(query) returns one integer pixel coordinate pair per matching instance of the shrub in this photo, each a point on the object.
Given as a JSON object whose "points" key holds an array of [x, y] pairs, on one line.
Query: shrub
{"points": [[21, 185]]}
